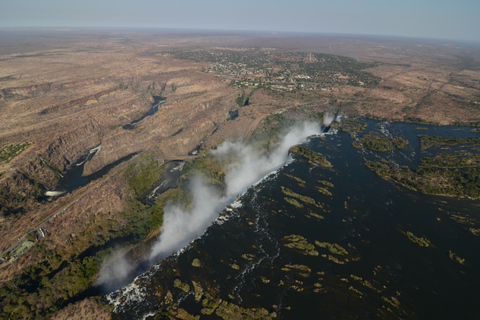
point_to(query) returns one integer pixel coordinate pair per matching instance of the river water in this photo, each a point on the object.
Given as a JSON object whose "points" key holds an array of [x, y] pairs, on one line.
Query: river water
{"points": [[345, 255], [158, 101], [74, 178]]}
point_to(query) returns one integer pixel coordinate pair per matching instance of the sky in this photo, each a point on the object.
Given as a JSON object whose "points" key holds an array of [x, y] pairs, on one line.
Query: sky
{"points": [[438, 19]]}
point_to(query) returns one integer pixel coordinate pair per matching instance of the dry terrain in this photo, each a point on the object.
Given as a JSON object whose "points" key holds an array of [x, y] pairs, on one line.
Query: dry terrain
{"points": [[66, 92]]}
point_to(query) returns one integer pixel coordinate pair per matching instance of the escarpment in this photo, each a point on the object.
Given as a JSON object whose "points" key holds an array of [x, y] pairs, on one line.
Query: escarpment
{"points": [[26, 92], [79, 101]]}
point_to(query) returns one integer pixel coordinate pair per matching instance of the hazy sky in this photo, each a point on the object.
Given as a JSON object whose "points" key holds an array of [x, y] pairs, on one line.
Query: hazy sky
{"points": [[444, 19]]}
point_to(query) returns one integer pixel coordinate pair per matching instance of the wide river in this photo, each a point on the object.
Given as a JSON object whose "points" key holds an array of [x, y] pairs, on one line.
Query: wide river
{"points": [[346, 254]]}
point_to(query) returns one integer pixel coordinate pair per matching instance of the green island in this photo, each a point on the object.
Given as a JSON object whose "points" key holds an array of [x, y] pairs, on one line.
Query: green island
{"points": [[454, 257], [400, 142], [435, 181], [220, 308], [300, 197], [105, 132], [452, 173], [377, 142], [314, 158], [421, 241], [336, 253], [299, 243], [302, 270], [428, 141], [351, 126], [455, 160], [374, 141]]}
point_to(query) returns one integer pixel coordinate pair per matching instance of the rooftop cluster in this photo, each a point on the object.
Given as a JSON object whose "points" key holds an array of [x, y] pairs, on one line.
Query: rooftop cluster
{"points": [[288, 71]]}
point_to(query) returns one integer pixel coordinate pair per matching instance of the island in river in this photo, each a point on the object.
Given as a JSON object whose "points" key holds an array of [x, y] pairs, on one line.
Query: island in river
{"points": [[250, 87]]}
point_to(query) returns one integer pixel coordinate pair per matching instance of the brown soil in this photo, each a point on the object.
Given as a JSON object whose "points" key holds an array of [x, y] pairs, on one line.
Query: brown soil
{"points": [[70, 93]]}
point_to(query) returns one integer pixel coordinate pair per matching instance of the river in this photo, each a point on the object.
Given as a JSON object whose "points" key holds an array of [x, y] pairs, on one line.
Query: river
{"points": [[345, 253], [74, 178], [158, 101]]}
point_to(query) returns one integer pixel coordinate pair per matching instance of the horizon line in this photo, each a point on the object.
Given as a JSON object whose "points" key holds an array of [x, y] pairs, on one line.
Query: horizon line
{"points": [[233, 31]]}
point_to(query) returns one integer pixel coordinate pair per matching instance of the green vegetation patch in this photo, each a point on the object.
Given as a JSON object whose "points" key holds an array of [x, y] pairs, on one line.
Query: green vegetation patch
{"points": [[315, 215], [248, 256], [454, 257], [304, 199], [376, 142], [268, 135], [332, 247], [365, 283], [242, 100], [427, 141], [293, 202], [230, 311], [283, 71], [144, 218], [196, 263], [235, 266], [45, 287], [7, 153], [326, 183], [324, 191], [302, 270], [400, 143], [298, 242], [313, 157], [456, 160], [300, 181], [142, 175], [474, 231], [198, 290], [210, 168], [177, 283], [352, 126], [421, 241], [435, 181]]}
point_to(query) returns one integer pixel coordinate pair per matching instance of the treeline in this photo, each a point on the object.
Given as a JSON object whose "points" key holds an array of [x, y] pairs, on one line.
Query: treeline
{"points": [[428, 141], [458, 160], [378, 142], [313, 157], [351, 126], [64, 275], [434, 181], [323, 69]]}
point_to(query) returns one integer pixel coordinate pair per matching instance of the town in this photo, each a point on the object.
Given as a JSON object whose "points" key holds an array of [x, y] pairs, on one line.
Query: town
{"points": [[276, 70]]}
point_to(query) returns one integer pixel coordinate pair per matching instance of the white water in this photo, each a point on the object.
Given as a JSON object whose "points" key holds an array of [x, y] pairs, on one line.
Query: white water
{"points": [[181, 226]]}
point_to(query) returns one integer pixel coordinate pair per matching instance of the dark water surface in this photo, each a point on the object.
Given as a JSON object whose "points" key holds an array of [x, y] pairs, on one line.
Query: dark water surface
{"points": [[366, 267], [74, 178], [158, 101]]}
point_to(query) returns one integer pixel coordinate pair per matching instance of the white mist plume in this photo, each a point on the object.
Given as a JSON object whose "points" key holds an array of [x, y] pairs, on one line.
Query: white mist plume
{"points": [[181, 226], [252, 166], [115, 268], [328, 119]]}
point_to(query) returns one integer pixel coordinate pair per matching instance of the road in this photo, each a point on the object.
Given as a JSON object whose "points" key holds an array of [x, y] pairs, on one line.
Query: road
{"points": [[252, 128], [18, 243]]}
